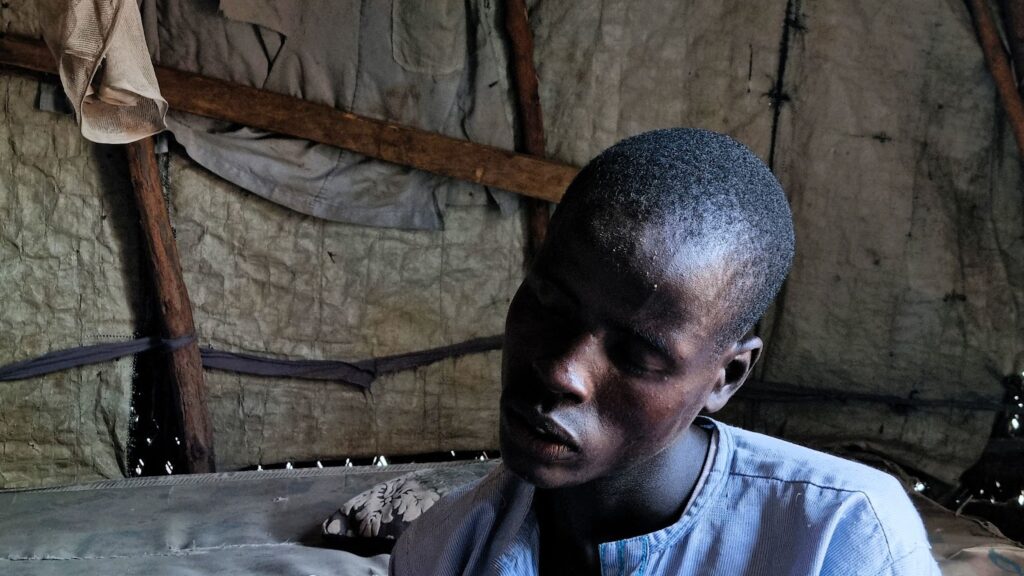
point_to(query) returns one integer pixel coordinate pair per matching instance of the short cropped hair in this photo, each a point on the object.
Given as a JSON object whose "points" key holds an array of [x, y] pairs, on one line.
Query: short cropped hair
{"points": [[709, 192]]}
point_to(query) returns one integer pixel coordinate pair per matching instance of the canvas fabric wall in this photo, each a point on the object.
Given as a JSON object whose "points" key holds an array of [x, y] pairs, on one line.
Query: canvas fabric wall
{"points": [[68, 254], [887, 137], [435, 66], [267, 280], [909, 278], [905, 187], [105, 68]]}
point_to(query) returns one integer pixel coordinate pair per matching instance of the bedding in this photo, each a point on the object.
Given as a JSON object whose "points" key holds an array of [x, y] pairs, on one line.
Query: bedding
{"points": [[966, 546], [265, 522], [384, 510], [271, 522]]}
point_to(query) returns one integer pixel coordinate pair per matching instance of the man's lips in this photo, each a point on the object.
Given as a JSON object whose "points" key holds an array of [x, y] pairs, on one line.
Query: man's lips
{"points": [[544, 427]]}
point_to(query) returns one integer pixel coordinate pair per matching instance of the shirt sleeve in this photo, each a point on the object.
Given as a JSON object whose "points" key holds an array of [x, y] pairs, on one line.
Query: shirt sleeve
{"points": [[882, 534], [466, 530]]}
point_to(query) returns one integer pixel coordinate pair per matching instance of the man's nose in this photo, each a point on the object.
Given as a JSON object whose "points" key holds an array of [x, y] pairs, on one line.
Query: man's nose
{"points": [[569, 374]]}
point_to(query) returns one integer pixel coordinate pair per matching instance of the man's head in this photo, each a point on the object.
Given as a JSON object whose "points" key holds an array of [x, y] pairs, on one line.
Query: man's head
{"points": [[665, 251]]}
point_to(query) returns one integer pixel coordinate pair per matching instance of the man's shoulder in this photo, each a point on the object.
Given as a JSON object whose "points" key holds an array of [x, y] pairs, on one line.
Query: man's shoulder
{"points": [[865, 508], [758, 456], [466, 528], [865, 504]]}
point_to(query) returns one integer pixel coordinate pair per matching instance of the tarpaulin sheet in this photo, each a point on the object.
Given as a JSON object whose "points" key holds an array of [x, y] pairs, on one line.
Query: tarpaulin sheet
{"points": [[888, 138], [104, 67], [909, 272], [266, 280], [68, 260], [437, 66]]}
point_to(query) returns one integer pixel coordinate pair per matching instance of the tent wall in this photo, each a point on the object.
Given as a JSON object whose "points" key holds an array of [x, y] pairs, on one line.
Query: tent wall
{"points": [[904, 182], [264, 279], [68, 263], [884, 130]]}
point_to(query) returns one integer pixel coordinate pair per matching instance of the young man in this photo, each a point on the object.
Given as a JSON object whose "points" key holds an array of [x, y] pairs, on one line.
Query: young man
{"points": [[635, 317]]}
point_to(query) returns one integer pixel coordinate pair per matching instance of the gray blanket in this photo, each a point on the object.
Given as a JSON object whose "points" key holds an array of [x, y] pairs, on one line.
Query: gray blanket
{"points": [[264, 522], [269, 522], [437, 66]]}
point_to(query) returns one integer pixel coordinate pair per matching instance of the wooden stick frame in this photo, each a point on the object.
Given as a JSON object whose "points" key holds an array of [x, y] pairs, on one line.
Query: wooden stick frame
{"points": [[525, 174], [999, 66], [531, 175], [185, 363], [531, 120]]}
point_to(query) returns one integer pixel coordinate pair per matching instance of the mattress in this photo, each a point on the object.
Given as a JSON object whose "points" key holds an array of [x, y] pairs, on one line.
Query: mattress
{"points": [[264, 522], [268, 522]]}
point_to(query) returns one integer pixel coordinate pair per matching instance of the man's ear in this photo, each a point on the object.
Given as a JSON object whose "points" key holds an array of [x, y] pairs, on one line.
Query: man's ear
{"points": [[737, 362]]}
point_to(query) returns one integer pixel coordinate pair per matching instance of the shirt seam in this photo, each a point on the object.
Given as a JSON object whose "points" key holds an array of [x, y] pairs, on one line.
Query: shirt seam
{"points": [[867, 498], [911, 552]]}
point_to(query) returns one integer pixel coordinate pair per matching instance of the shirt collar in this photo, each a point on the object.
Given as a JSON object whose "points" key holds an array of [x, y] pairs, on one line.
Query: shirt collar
{"points": [[631, 554]]}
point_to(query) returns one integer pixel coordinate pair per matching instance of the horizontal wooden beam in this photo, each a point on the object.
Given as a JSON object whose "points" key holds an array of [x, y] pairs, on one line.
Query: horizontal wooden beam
{"points": [[524, 174]]}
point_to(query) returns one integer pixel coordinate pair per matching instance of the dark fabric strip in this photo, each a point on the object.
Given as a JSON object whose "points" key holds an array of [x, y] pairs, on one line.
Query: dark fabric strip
{"points": [[786, 393], [361, 373], [84, 355], [408, 361], [306, 369], [364, 372]]}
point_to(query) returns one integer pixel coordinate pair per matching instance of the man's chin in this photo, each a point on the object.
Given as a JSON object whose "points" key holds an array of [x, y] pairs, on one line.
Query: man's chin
{"points": [[541, 479], [543, 475]]}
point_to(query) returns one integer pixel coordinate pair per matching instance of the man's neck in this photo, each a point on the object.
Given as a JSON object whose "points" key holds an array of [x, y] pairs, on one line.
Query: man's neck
{"points": [[574, 521]]}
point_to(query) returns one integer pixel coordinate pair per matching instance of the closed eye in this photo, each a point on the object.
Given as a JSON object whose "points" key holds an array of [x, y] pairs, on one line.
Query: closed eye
{"points": [[550, 297], [635, 357]]}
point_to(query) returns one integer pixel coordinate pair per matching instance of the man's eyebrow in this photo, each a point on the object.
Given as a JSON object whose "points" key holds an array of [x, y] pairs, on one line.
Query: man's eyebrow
{"points": [[651, 339], [543, 275], [648, 337]]}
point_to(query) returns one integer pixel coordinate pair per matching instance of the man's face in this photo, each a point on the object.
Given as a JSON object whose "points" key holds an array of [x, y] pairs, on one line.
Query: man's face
{"points": [[609, 355]]}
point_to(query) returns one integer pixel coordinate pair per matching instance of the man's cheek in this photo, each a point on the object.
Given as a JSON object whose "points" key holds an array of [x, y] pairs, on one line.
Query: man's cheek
{"points": [[623, 439]]}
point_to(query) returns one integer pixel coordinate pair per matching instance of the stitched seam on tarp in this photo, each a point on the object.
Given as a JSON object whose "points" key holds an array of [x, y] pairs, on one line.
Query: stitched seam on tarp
{"points": [[169, 553], [246, 476]]}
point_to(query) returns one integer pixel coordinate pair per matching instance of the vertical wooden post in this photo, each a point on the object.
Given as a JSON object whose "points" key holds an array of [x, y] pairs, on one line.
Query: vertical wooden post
{"points": [[531, 122], [999, 67], [1013, 23], [186, 365]]}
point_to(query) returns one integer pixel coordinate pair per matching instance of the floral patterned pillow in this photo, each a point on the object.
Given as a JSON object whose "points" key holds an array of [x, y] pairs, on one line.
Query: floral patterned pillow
{"points": [[387, 508]]}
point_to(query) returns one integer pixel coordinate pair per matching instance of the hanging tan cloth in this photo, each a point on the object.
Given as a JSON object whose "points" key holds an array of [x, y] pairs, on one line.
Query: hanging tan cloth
{"points": [[105, 68]]}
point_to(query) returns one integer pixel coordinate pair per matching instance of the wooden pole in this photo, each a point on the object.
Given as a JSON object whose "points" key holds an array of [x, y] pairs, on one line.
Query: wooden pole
{"points": [[186, 365], [999, 66], [531, 120], [1013, 22], [529, 175]]}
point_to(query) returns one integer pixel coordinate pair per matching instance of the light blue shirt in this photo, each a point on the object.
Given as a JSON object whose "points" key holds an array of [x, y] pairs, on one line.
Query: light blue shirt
{"points": [[766, 507]]}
